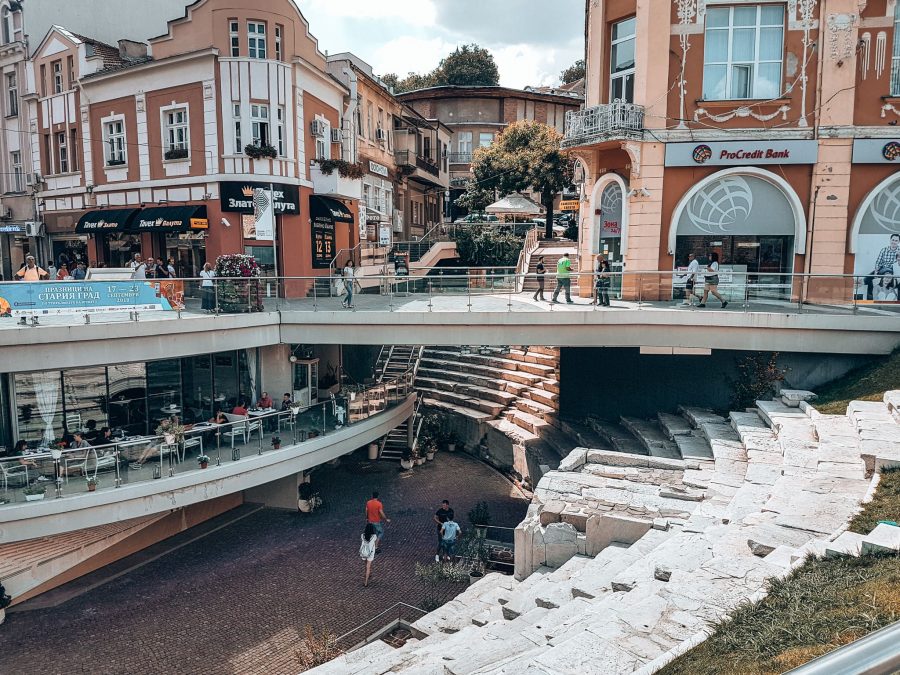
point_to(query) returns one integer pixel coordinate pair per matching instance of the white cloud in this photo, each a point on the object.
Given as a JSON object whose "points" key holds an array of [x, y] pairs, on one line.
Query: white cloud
{"points": [[525, 64], [418, 12], [410, 54]]}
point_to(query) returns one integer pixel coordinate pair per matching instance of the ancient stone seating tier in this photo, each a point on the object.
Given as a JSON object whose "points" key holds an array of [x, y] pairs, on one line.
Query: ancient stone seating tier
{"points": [[623, 558]]}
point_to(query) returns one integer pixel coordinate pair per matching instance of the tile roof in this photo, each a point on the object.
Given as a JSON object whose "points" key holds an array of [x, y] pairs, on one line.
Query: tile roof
{"points": [[111, 56]]}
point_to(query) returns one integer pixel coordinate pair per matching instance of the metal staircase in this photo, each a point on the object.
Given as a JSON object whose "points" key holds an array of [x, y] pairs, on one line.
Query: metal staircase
{"points": [[394, 360], [394, 445]]}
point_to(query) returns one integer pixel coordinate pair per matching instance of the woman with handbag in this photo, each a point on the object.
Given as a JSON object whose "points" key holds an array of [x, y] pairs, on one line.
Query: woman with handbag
{"points": [[367, 549], [603, 281], [711, 283]]}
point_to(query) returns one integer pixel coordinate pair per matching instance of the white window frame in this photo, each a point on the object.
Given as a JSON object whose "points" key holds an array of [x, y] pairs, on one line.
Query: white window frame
{"points": [[7, 25], [61, 140], [238, 145], [895, 59], [279, 131], [260, 124], [278, 51], [622, 74], [234, 37], [12, 94], [464, 142], [115, 141], [15, 160], [753, 66], [58, 82], [256, 39], [323, 142], [176, 125]]}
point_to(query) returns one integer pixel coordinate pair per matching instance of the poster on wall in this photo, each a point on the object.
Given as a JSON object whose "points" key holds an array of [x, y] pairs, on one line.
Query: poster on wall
{"points": [[877, 266], [80, 297], [323, 241]]}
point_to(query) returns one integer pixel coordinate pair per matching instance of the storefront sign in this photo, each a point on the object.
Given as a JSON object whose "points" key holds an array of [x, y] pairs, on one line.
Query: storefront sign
{"points": [[378, 169], [322, 243], [12, 228], [741, 153], [238, 197], [876, 151], [105, 220], [81, 297], [569, 205], [384, 235]]}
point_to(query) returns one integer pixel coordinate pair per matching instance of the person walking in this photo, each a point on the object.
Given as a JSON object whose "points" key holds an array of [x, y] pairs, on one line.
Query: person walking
{"points": [[563, 278], [207, 288], [449, 531], [441, 516], [349, 274], [367, 548], [541, 274], [374, 516], [30, 271], [690, 279], [711, 284], [603, 281]]}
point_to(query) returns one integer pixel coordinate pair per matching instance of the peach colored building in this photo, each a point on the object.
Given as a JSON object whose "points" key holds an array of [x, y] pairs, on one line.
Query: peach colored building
{"points": [[765, 132], [155, 148]]}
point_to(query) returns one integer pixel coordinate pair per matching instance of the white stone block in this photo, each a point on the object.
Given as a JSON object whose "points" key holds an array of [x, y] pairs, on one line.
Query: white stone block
{"points": [[883, 538], [849, 543]]}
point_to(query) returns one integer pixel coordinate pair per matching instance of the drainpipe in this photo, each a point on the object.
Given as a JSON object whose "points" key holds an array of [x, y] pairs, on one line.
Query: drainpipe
{"points": [[349, 140]]}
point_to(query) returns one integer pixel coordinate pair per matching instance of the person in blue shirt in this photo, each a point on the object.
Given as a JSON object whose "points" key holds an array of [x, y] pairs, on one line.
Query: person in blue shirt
{"points": [[449, 532], [80, 272]]}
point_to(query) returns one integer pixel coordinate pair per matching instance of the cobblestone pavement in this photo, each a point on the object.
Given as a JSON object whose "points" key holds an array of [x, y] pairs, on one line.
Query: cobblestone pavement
{"points": [[236, 601]]}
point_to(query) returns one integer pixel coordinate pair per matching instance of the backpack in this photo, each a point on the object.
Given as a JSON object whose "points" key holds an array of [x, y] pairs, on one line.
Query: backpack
{"points": [[366, 549]]}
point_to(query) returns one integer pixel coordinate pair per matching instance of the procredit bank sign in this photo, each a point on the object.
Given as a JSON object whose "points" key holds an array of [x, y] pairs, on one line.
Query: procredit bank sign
{"points": [[741, 153]]}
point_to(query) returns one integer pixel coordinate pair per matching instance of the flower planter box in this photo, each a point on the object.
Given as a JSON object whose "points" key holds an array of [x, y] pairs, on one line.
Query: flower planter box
{"points": [[406, 464], [34, 498], [203, 465]]}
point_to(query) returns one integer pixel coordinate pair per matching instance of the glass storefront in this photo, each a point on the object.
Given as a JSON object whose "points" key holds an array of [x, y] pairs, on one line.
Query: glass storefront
{"points": [[133, 397]]}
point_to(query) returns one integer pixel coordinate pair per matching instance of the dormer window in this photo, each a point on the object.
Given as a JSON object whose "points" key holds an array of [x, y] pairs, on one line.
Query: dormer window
{"points": [[256, 39]]}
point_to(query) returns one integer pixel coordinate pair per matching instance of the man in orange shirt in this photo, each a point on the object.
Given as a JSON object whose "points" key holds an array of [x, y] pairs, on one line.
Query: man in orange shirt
{"points": [[375, 514], [31, 272]]}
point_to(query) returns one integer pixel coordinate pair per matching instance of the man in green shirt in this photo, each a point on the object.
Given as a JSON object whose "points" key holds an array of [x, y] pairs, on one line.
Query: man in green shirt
{"points": [[563, 278]]}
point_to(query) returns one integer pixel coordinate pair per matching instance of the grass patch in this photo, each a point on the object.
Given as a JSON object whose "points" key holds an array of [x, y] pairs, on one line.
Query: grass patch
{"points": [[884, 506], [867, 383], [823, 604]]}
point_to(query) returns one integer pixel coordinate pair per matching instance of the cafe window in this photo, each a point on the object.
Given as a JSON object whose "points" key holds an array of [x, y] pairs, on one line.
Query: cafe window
{"points": [[259, 124], [62, 153], [256, 39], [114, 138], [621, 61], [234, 37], [15, 160], [12, 95], [58, 85], [176, 132], [743, 52]]}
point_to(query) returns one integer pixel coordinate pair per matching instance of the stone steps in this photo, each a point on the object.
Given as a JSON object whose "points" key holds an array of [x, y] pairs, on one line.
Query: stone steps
{"points": [[462, 400], [445, 362], [483, 393], [651, 436], [674, 425], [474, 415], [616, 437]]}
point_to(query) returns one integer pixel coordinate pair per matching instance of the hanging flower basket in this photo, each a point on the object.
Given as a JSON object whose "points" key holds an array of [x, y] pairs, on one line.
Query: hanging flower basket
{"points": [[260, 151], [238, 285], [344, 168]]}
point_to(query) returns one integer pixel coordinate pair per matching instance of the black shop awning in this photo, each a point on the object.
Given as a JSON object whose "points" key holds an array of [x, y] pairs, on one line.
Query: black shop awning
{"points": [[170, 219], [328, 209], [106, 220]]}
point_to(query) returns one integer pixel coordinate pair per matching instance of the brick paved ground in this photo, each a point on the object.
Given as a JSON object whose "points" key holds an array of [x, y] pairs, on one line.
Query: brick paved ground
{"points": [[235, 602]]}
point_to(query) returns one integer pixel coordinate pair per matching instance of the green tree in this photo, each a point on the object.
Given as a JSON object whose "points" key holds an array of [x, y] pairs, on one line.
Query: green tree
{"points": [[469, 65], [525, 156], [573, 73], [475, 198]]}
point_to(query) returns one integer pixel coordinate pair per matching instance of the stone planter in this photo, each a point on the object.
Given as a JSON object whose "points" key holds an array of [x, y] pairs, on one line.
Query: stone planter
{"points": [[203, 465], [92, 487], [276, 446], [304, 505], [406, 464], [420, 461], [34, 498], [475, 576], [373, 451], [429, 456]]}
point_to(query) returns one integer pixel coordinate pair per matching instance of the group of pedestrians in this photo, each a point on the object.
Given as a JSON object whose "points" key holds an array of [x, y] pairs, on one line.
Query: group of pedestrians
{"points": [[563, 279], [448, 531], [710, 281]]}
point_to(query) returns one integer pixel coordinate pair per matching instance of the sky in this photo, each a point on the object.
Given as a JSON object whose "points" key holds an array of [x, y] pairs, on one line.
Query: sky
{"points": [[531, 40]]}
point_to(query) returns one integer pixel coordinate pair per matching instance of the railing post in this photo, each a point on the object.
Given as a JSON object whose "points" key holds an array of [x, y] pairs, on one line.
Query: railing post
{"points": [[316, 294], [118, 473]]}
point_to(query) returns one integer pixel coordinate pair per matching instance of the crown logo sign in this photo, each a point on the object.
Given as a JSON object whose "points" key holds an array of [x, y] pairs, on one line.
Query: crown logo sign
{"points": [[247, 190], [159, 221]]}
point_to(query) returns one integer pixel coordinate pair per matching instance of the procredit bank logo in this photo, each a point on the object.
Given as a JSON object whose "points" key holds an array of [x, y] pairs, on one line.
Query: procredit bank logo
{"points": [[891, 151], [701, 154]]}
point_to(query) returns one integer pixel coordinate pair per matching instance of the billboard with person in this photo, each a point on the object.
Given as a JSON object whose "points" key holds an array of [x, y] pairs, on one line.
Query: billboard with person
{"points": [[877, 245]]}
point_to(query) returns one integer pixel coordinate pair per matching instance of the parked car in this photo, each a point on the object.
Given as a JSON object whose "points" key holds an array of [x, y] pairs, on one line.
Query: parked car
{"points": [[477, 218]]}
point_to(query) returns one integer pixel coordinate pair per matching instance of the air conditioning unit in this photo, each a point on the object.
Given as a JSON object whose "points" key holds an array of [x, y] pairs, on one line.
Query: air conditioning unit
{"points": [[34, 229], [336, 136], [380, 134], [317, 127], [32, 179]]}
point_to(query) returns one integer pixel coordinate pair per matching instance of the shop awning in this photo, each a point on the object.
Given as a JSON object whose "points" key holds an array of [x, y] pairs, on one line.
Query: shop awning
{"points": [[105, 220], [326, 208], [170, 219]]}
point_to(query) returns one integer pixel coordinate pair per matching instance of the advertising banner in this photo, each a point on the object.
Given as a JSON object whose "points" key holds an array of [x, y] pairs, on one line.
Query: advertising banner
{"points": [[80, 297], [741, 153], [238, 197]]}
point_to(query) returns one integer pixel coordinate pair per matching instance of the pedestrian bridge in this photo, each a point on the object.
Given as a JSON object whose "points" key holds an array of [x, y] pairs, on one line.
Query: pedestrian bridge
{"points": [[483, 319]]}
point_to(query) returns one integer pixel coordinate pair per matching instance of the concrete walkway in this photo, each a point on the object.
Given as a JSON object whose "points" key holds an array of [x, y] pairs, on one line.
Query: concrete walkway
{"points": [[236, 601]]}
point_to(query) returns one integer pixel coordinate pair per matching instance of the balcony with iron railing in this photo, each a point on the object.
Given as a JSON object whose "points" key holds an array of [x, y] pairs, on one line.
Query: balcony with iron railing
{"points": [[460, 157], [609, 121]]}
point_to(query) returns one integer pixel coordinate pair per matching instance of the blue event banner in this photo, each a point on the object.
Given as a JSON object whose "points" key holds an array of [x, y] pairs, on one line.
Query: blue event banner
{"points": [[35, 298]]}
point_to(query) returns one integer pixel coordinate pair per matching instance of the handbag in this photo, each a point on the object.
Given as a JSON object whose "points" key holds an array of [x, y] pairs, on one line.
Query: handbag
{"points": [[366, 549]]}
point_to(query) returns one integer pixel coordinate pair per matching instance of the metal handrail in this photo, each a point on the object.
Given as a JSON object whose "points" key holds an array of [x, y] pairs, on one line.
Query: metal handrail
{"points": [[375, 618], [875, 654], [334, 260]]}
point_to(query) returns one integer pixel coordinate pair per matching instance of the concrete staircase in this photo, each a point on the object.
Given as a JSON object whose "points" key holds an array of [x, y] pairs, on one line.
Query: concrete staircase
{"points": [[624, 559], [552, 251]]}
